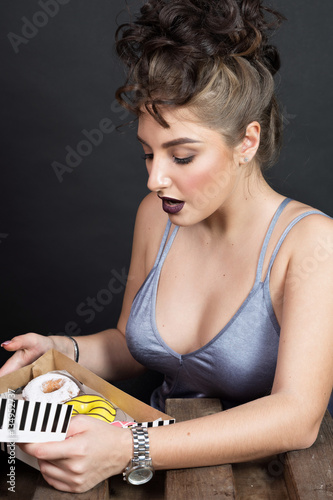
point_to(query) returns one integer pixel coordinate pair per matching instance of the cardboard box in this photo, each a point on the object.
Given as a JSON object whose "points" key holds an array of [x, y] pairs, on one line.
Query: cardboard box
{"points": [[54, 360]]}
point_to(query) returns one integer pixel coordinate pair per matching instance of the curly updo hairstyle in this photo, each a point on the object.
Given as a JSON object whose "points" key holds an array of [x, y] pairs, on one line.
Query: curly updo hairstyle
{"points": [[210, 56]]}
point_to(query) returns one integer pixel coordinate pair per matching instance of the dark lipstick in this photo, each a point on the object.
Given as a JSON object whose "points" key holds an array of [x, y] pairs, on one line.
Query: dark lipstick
{"points": [[172, 206]]}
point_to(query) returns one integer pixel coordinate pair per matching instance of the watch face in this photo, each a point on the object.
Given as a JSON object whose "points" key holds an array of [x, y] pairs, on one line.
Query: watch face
{"points": [[141, 475]]}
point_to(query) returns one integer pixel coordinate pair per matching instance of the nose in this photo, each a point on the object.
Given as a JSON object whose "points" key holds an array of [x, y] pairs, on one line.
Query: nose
{"points": [[158, 176]]}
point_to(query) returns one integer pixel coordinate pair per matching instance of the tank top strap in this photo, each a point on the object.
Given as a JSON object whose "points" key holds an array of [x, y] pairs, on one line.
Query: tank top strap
{"points": [[285, 233], [268, 237], [165, 246]]}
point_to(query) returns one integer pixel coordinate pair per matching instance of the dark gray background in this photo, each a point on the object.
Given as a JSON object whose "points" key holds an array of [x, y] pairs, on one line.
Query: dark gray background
{"points": [[61, 241]]}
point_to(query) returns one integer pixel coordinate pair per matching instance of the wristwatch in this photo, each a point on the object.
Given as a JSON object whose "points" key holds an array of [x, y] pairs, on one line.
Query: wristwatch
{"points": [[140, 469]]}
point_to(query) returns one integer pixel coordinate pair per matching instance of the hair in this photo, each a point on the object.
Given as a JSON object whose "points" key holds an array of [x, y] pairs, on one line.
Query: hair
{"points": [[212, 57]]}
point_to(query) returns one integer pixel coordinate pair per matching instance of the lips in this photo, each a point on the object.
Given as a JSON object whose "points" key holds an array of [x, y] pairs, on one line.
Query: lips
{"points": [[171, 205]]}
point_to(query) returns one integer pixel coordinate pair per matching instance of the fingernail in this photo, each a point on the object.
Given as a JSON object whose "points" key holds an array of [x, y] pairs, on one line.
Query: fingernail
{"points": [[5, 343]]}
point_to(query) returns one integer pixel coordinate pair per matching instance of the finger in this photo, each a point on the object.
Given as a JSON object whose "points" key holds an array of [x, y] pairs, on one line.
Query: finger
{"points": [[69, 486], [60, 486], [54, 470], [55, 477], [6, 343], [60, 450], [52, 451], [17, 360], [12, 364], [10, 345], [28, 349], [64, 475], [81, 423], [69, 475], [19, 342]]}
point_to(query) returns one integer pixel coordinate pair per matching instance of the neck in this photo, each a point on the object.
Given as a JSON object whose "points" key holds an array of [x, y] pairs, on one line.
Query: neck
{"points": [[248, 205]]}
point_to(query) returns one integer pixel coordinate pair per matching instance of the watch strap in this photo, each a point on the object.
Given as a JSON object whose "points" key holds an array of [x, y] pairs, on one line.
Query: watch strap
{"points": [[140, 468], [140, 444]]}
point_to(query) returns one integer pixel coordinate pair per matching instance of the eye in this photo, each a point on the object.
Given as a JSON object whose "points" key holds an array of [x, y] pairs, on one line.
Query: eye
{"points": [[183, 161], [146, 157]]}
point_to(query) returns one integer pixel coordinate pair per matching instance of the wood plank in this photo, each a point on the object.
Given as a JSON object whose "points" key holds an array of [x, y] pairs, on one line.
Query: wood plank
{"points": [[260, 480], [45, 491], [204, 482], [309, 473]]}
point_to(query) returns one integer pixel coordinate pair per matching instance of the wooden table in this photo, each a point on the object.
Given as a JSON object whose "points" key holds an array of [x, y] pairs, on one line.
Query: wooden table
{"points": [[297, 475]]}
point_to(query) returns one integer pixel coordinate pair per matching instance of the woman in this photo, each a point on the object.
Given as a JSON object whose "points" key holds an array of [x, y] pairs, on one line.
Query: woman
{"points": [[216, 300]]}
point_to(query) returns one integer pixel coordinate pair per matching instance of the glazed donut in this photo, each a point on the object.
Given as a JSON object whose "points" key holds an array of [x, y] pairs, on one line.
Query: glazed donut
{"points": [[94, 406], [51, 387]]}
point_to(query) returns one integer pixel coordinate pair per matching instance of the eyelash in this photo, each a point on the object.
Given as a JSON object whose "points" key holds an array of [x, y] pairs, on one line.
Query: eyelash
{"points": [[147, 157], [183, 161], [179, 161]]}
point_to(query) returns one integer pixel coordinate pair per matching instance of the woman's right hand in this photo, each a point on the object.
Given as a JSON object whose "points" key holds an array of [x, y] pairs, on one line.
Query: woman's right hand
{"points": [[27, 348]]}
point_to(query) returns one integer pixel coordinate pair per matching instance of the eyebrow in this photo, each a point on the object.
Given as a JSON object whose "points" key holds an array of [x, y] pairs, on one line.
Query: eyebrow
{"points": [[175, 142]]}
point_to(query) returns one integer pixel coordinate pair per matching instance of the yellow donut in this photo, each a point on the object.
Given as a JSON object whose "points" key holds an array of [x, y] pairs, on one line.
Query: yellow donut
{"points": [[94, 406]]}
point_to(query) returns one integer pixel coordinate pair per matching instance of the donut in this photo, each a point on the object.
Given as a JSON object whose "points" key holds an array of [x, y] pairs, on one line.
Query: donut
{"points": [[94, 406], [51, 387]]}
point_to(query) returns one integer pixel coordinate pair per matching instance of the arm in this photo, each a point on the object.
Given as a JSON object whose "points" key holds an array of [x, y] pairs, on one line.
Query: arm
{"points": [[290, 417], [95, 352], [104, 353]]}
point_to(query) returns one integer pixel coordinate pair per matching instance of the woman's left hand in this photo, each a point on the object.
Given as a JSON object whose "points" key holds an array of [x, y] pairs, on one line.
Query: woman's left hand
{"points": [[92, 452]]}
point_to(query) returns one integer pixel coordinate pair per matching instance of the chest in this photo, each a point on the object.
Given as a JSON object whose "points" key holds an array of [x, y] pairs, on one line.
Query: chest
{"points": [[200, 291]]}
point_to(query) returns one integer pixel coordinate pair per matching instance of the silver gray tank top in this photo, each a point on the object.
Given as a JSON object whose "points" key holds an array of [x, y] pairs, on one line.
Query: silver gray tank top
{"points": [[238, 364]]}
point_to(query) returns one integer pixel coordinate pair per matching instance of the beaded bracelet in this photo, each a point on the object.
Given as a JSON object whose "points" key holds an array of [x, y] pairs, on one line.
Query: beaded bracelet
{"points": [[76, 348]]}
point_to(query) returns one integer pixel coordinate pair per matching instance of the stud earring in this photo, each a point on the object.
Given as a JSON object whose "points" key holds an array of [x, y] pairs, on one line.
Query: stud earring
{"points": [[246, 159]]}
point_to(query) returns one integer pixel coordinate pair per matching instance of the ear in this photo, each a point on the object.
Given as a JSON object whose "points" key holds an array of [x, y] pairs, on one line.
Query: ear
{"points": [[248, 148]]}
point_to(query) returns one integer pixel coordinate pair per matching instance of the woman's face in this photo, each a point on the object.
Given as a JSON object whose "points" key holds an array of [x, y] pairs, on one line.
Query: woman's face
{"points": [[190, 167]]}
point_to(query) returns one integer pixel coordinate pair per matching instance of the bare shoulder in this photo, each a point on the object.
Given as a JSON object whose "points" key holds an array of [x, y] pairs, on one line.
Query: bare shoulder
{"points": [[313, 233], [150, 226], [316, 221]]}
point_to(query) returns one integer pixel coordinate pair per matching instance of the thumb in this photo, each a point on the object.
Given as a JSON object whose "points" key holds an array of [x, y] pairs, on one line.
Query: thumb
{"points": [[25, 347], [10, 345], [78, 425], [19, 342]]}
